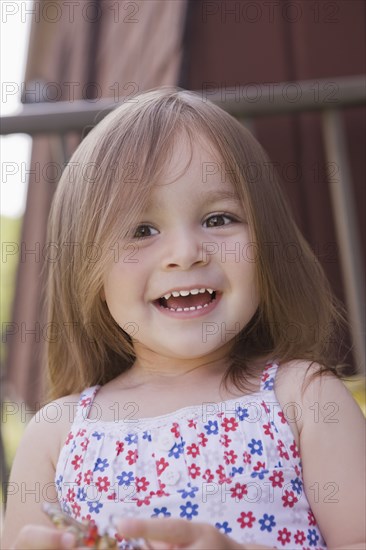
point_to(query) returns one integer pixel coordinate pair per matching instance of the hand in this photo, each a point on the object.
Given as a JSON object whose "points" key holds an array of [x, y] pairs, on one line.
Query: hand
{"points": [[35, 537], [172, 534]]}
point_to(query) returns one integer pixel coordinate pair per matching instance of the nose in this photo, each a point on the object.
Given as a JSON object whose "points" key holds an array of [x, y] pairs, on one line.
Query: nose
{"points": [[183, 250]]}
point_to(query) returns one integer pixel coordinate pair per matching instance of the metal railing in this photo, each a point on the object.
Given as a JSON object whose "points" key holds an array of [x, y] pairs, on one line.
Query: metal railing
{"points": [[248, 102]]}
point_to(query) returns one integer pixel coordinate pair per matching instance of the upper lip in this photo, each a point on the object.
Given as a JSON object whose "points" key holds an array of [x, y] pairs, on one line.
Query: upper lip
{"points": [[192, 287]]}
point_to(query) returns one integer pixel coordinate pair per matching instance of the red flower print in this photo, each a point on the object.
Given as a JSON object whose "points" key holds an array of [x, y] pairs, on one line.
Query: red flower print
{"points": [[282, 451], [78, 460], [141, 484], [267, 430], [85, 402], [103, 483], [311, 518], [146, 500], [76, 509], [203, 439], [84, 444], [284, 536], [69, 438], [132, 456], [259, 466], [175, 429], [78, 479], [225, 440], [161, 464], [112, 496], [300, 537], [230, 424], [265, 376], [70, 495], [81, 433], [119, 447], [289, 499], [246, 519], [194, 471], [239, 491], [160, 492], [282, 417], [222, 477], [295, 451], [192, 423], [247, 457], [265, 406], [88, 477], [208, 476], [193, 450], [230, 457], [277, 478]]}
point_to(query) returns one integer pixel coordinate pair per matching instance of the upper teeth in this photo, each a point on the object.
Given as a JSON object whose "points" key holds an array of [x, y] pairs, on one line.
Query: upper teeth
{"points": [[177, 293]]}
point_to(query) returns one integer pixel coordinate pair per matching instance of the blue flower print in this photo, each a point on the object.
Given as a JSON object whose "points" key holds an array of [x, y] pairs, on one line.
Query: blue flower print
{"points": [[274, 426], [131, 438], [224, 527], [81, 494], [163, 512], [267, 522], [235, 471], [146, 435], [241, 413], [97, 435], [59, 482], [260, 474], [212, 427], [256, 447], [101, 464], [189, 492], [95, 507], [268, 384], [189, 510], [126, 478], [296, 485], [312, 537], [177, 450]]}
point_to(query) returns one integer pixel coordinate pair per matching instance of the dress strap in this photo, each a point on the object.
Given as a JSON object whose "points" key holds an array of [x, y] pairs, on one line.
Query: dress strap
{"points": [[268, 376], [85, 403]]}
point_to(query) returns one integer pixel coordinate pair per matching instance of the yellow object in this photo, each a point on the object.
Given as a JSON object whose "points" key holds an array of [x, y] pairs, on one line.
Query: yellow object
{"points": [[357, 386]]}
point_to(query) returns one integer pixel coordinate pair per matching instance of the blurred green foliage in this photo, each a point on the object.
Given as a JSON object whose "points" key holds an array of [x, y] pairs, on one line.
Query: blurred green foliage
{"points": [[10, 236]]}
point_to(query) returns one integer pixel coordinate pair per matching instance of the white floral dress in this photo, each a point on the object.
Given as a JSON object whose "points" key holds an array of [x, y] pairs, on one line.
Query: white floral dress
{"points": [[234, 465]]}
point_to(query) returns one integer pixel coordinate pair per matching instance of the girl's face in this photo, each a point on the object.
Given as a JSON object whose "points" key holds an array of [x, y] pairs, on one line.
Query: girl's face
{"points": [[192, 236]]}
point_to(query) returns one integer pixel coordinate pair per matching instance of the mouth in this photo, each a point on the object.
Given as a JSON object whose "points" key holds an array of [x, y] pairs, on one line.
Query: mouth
{"points": [[187, 300]]}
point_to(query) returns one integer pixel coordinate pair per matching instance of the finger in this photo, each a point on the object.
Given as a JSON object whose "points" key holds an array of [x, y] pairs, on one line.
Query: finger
{"points": [[176, 531], [36, 537]]}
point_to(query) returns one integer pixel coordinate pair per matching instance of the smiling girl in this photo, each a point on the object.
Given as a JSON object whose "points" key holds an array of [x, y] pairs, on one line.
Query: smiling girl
{"points": [[191, 414]]}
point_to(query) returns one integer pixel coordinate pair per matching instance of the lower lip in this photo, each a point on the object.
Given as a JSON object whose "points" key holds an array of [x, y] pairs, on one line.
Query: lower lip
{"points": [[190, 314]]}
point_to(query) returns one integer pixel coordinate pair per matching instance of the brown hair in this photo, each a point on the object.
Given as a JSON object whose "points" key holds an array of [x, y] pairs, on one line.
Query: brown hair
{"points": [[101, 195]]}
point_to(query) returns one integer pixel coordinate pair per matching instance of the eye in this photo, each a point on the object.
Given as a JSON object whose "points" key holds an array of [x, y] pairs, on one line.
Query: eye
{"points": [[218, 220], [143, 231]]}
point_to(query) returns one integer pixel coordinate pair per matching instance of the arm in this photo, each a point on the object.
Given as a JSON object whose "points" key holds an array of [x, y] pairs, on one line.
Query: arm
{"points": [[31, 483], [332, 447]]}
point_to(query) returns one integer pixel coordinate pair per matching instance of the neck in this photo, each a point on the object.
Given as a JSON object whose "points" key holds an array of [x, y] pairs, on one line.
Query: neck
{"points": [[154, 368]]}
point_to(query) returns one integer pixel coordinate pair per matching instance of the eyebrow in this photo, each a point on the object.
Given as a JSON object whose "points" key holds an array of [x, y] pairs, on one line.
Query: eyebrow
{"points": [[209, 198], [221, 195]]}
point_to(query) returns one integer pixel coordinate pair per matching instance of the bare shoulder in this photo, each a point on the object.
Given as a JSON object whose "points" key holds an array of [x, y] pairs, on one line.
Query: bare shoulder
{"points": [[34, 466], [313, 396], [50, 425]]}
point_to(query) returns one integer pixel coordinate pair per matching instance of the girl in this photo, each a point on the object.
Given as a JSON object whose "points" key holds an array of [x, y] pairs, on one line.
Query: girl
{"points": [[196, 401]]}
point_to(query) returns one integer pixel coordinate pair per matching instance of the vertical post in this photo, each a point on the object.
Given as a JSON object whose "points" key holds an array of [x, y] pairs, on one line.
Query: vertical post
{"points": [[347, 231]]}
